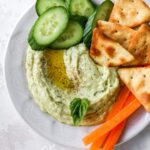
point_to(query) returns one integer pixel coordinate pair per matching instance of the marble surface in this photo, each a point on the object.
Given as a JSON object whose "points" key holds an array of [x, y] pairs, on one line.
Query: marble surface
{"points": [[15, 134]]}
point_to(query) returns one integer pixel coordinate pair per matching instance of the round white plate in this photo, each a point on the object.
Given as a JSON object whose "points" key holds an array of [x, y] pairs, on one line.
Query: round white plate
{"points": [[42, 123]]}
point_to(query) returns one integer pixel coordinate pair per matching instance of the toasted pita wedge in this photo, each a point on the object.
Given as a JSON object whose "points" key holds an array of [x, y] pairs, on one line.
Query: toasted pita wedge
{"points": [[130, 13], [119, 33], [139, 46], [138, 81], [107, 52]]}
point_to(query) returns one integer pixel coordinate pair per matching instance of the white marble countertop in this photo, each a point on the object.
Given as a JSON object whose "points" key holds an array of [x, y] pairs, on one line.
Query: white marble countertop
{"points": [[15, 134]]}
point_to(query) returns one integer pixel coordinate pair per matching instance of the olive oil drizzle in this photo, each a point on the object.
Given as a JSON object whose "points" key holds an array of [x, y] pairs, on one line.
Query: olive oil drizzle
{"points": [[55, 69]]}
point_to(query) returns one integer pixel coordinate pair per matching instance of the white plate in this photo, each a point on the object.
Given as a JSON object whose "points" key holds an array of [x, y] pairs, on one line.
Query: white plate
{"points": [[42, 123]]}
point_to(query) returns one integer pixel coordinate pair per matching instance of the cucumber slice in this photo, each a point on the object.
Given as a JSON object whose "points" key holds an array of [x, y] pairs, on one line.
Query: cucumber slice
{"points": [[81, 8], [49, 26], [71, 36], [80, 19], [44, 5], [33, 43], [102, 13]]}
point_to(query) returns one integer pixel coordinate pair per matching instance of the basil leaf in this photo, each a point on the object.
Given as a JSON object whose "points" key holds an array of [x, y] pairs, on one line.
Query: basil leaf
{"points": [[78, 108]]}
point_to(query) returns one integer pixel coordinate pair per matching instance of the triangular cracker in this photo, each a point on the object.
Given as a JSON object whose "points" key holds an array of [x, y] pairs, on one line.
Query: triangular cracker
{"points": [[139, 46], [107, 52], [138, 81], [130, 13], [119, 33]]}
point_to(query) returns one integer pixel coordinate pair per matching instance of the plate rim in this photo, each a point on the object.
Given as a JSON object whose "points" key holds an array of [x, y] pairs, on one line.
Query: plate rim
{"points": [[10, 97]]}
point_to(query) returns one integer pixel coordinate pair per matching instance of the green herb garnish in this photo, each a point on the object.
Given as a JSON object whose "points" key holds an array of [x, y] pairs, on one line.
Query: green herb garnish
{"points": [[78, 109]]}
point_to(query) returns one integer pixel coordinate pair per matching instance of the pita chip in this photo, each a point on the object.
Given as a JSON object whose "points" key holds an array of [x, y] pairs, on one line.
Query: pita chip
{"points": [[139, 46], [130, 13], [138, 81], [119, 33], [107, 52]]}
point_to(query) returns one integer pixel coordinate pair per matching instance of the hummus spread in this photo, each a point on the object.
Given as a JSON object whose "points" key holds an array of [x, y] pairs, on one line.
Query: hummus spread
{"points": [[56, 77]]}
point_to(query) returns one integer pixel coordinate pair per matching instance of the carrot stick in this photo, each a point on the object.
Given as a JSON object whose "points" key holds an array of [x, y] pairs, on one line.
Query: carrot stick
{"points": [[121, 99], [112, 123], [97, 144], [123, 95], [117, 131], [131, 97], [114, 136]]}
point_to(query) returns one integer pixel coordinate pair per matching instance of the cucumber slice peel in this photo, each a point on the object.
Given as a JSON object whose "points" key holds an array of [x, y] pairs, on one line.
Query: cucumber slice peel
{"points": [[33, 43]]}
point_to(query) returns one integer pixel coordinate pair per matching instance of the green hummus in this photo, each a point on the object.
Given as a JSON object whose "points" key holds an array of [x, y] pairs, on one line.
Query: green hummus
{"points": [[55, 78]]}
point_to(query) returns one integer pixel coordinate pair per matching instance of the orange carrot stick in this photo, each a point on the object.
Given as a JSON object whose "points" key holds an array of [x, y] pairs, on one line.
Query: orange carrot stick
{"points": [[114, 136], [121, 99], [112, 123], [97, 144], [117, 131]]}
